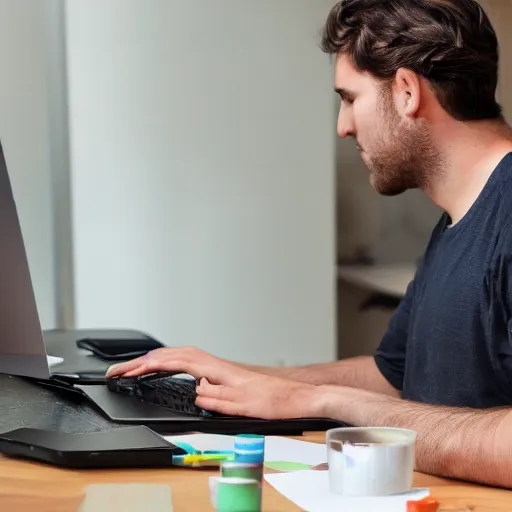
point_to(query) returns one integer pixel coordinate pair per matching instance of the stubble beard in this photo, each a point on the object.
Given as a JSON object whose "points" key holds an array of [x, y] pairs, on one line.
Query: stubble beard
{"points": [[405, 156]]}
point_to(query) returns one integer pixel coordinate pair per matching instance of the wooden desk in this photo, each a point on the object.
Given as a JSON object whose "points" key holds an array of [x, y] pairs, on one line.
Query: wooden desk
{"points": [[27, 487]]}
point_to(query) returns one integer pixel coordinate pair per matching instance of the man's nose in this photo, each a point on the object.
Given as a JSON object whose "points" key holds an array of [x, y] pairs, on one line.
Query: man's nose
{"points": [[345, 126]]}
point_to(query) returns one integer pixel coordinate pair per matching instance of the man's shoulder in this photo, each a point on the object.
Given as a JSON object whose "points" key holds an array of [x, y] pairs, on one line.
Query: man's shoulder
{"points": [[499, 221]]}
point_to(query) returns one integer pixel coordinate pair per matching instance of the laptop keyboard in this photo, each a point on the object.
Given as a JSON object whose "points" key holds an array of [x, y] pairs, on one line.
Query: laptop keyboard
{"points": [[164, 389]]}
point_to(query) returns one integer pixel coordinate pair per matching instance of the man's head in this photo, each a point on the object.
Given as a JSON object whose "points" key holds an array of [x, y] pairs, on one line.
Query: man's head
{"points": [[401, 67]]}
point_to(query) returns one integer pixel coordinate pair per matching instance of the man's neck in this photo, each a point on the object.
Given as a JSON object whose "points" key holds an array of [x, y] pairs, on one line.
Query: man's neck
{"points": [[470, 152]]}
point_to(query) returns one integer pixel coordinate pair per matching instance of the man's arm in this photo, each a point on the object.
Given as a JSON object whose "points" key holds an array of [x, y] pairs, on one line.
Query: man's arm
{"points": [[467, 444], [382, 373], [355, 372], [358, 372]]}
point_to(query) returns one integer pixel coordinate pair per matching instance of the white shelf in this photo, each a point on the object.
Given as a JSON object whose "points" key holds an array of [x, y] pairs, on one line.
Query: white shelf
{"points": [[388, 279]]}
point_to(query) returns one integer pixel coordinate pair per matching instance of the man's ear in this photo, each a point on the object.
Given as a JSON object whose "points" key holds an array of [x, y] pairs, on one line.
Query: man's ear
{"points": [[407, 92]]}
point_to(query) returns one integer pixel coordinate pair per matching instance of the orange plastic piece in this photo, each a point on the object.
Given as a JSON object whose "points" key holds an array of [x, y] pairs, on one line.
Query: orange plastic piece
{"points": [[428, 504]]}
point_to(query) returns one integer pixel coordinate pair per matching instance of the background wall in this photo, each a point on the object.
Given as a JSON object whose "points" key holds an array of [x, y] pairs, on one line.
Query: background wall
{"points": [[500, 14], [208, 241], [202, 174], [25, 121]]}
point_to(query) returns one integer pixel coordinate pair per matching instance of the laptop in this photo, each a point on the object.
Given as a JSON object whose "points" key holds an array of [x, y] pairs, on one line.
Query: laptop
{"points": [[23, 351], [22, 346]]}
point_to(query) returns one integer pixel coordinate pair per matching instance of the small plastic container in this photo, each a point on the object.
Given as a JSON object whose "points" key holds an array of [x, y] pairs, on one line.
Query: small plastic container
{"points": [[370, 461], [249, 448], [235, 494]]}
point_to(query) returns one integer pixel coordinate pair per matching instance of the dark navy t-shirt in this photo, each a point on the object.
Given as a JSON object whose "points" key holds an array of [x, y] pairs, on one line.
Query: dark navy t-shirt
{"points": [[450, 340]]}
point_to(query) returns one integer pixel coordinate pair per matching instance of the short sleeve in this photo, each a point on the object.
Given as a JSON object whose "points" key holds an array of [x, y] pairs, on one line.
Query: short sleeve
{"points": [[392, 350], [390, 354], [499, 316]]}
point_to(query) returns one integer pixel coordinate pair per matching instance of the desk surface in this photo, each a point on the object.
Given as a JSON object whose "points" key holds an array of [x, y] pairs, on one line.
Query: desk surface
{"points": [[27, 486]]}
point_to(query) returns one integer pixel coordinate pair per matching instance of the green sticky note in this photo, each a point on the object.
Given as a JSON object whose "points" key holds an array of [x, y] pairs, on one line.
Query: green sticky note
{"points": [[286, 466]]}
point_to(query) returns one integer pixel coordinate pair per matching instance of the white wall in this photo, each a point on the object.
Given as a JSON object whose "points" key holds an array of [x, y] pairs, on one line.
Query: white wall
{"points": [[202, 173], [25, 133]]}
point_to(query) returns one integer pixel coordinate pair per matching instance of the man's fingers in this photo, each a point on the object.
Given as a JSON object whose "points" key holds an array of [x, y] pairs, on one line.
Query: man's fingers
{"points": [[179, 360], [128, 366], [143, 369], [153, 365], [218, 398], [138, 366], [220, 406], [207, 390]]}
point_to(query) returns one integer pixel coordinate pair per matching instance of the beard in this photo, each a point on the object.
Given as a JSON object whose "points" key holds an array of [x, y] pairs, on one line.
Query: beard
{"points": [[405, 157]]}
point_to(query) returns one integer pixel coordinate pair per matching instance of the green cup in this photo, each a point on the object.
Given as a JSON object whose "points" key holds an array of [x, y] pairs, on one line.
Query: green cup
{"points": [[234, 494]]}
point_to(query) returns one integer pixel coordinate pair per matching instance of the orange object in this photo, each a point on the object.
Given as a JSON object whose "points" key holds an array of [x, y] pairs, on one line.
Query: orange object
{"points": [[428, 504]]}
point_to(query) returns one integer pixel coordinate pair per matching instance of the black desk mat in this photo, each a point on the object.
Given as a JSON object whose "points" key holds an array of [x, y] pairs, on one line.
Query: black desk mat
{"points": [[26, 404]]}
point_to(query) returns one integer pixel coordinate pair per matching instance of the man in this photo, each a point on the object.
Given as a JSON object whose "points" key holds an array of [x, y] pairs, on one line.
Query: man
{"points": [[417, 81]]}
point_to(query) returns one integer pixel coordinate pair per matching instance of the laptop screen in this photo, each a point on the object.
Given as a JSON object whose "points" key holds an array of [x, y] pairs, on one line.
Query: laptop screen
{"points": [[22, 349]]}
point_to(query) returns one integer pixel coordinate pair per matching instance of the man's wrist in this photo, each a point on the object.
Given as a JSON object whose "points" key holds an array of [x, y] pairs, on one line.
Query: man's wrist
{"points": [[319, 401]]}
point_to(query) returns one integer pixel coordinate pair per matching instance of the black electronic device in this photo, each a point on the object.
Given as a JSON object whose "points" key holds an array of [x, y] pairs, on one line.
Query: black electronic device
{"points": [[161, 388], [126, 409], [116, 348], [123, 447]]}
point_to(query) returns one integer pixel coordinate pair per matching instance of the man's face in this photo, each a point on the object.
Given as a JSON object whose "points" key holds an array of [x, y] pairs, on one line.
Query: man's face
{"points": [[396, 149]]}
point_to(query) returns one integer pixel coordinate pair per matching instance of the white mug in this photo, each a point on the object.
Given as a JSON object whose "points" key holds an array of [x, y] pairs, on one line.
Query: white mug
{"points": [[370, 461]]}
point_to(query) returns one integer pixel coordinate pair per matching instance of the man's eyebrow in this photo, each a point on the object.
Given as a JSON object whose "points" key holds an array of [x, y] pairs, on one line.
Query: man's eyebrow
{"points": [[344, 93]]}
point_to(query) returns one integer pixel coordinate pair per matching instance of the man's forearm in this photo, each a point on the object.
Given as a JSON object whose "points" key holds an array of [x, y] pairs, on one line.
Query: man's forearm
{"points": [[466, 444], [359, 372]]}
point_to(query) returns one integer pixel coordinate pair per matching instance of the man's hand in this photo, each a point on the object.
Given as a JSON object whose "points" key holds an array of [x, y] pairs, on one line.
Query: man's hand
{"points": [[244, 393], [189, 360], [226, 387], [358, 372]]}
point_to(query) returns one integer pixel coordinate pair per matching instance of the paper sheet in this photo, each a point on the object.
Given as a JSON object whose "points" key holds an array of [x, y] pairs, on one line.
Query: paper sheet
{"points": [[280, 452], [294, 451], [53, 360], [309, 490]]}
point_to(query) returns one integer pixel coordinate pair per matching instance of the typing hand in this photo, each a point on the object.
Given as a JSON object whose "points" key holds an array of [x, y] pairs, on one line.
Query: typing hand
{"points": [[189, 360], [226, 387], [245, 393]]}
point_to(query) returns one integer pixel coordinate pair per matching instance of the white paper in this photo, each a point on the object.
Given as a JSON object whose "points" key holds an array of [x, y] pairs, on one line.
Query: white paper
{"points": [[309, 490], [277, 448], [203, 442], [53, 360], [292, 450]]}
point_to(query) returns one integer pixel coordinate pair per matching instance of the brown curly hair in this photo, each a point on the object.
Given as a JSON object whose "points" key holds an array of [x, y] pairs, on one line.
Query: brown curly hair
{"points": [[451, 43]]}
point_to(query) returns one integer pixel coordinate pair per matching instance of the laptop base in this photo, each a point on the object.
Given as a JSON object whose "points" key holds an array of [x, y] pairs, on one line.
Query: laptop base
{"points": [[129, 410]]}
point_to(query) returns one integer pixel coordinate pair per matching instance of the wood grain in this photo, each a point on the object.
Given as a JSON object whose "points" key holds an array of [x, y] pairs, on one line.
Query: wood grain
{"points": [[26, 486]]}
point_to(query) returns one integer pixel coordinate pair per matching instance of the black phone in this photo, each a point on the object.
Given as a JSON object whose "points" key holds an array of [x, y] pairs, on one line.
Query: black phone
{"points": [[123, 447], [115, 348]]}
